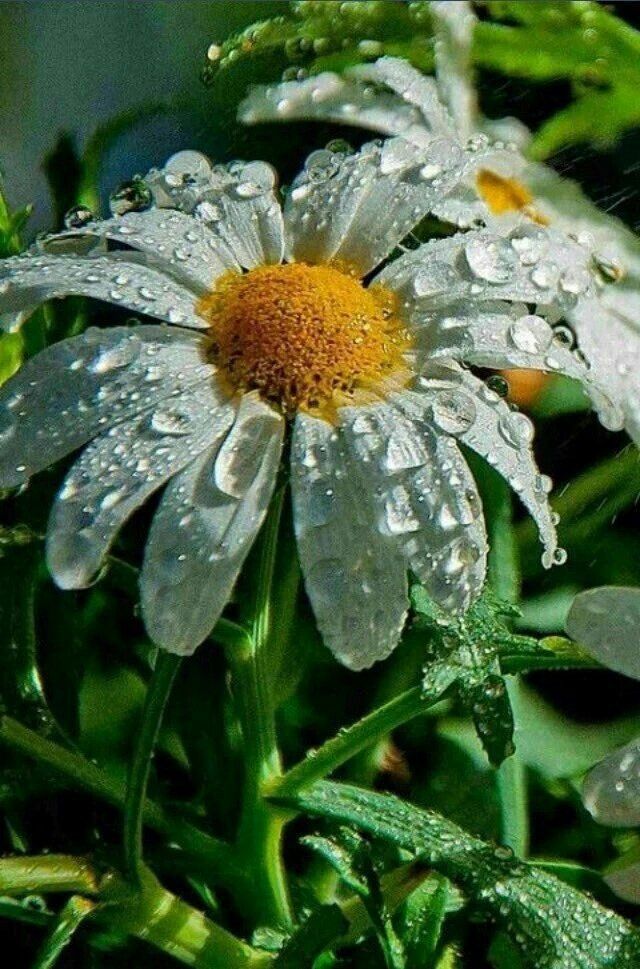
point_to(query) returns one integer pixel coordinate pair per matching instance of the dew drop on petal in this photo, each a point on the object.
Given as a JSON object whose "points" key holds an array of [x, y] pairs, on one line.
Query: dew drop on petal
{"points": [[530, 334], [493, 261], [173, 423], [516, 429], [453, 411]]}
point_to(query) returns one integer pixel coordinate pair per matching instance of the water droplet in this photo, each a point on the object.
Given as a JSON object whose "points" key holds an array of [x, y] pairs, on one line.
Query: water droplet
{"points": [[531, 334], [516, 429], [173, 423], [494, 261], [132, 196], [498, 384], [78, 217], [453, 411]]}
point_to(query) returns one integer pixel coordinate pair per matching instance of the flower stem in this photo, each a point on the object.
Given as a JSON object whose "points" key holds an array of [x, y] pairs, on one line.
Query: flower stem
{"points": [[350, 741], [158, 690], [261, 823], [504, 573]]}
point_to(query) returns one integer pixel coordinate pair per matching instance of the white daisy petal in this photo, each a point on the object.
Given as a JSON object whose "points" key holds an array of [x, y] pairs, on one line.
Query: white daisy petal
{"points": [[204, 527], [464, 407], [355, 576], [454, 23], [80, 387], [506, 336], [605, 622], [26, 281], [611, 791], [608, 332], [120, 470], [356, 208], [170, 240], [409, 105], [236, 202], [529, 264], [425, 498]]}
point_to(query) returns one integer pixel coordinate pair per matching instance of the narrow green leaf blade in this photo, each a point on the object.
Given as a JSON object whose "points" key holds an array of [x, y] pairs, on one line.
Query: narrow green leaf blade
{"points": [[553, 925], [71, 917]]}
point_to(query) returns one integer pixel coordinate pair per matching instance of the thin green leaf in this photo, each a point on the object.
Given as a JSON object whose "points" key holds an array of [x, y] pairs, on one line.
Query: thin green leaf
{"points": [[350, 855], [552, 925], [423, 918], [68, 922], [158, 690]]}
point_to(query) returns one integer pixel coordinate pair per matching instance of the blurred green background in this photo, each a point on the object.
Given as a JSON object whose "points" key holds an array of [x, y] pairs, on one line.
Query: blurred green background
{"points": [[70, 65]]}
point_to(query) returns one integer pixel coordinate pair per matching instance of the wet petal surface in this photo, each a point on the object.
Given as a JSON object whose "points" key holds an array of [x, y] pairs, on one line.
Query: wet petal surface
{"points": [[204, 527], [120, 470], [354, 575], [80, 387], [26, 281]]}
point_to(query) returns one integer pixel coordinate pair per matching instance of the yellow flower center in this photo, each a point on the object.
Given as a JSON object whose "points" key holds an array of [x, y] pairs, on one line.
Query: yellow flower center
{"points": [[507, 195], [306, 337]]}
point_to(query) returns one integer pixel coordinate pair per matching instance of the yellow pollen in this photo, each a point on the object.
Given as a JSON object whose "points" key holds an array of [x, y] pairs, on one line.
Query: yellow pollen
{"points": [[507, 195], [306, 337]]}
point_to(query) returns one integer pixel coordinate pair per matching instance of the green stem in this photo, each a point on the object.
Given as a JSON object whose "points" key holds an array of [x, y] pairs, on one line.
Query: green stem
{"points": [[83, 774], [158, 691], [350, 741], [504, 573], [158, 917], [261, 824], [147, 911], [41, 874]]}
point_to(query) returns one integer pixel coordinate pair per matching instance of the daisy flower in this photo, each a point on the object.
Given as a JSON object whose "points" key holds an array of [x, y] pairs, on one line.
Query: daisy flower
{"points": [[393, 98], [268, 319]]}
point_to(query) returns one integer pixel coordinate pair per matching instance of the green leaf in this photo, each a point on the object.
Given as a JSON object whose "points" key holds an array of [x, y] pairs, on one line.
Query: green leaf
{"points": [[582, 42], [312, 937], [350, 855], [71, 917], [423, 919], [10, 226], [467, 651], [552, 925]]}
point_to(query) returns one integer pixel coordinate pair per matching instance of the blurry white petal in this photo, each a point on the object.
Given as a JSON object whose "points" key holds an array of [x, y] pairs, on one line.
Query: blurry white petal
{"points": [[79, 387], [606, 621], [530, 264], [120, 470], [563, 202], [171, 241], [465, 408], [26, 281], [388, 96], [354, 575], [356, 208], [611, 791], [236, 202], [608, 331], [425, 499], [454, 23], [624, 880], [204, 527]]}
